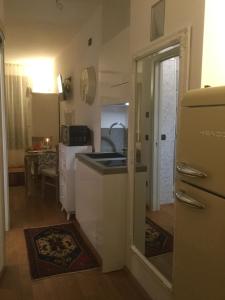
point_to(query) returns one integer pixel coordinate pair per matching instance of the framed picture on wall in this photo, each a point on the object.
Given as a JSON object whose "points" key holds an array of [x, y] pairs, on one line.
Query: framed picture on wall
{"points": [[157, 20]]}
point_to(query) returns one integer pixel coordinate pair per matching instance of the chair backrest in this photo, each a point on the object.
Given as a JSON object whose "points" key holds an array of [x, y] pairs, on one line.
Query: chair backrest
{"points": [[48, 160], [57, 158]]}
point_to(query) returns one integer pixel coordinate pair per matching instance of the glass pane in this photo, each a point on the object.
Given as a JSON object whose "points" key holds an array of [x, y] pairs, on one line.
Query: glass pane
{"points": [[157, 19], [167, 127]]}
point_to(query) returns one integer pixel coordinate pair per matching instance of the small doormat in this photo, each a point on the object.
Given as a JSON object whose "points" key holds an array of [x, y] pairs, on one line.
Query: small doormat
{"points": [[157, 240], [57, 249]]}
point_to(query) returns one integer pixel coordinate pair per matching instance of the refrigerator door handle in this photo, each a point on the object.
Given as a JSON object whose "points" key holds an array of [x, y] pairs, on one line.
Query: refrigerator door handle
{"points": [[184, 169], [187, 200]]}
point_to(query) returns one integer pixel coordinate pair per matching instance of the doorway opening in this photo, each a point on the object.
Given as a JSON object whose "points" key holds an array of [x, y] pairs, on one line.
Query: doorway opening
{"points": [[32, 138], [164, 116], [157, 89]]}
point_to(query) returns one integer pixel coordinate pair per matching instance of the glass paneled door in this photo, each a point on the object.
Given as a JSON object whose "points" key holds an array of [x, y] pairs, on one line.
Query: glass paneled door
{"points": [[157, 79]]}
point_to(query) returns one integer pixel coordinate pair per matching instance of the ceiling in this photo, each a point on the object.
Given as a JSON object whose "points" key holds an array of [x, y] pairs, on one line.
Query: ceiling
{"points": [[38, 28]]}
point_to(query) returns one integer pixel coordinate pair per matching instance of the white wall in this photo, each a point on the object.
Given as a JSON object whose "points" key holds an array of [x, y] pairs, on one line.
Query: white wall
{"points": [[1, 12], [75, 57], [178, 15], [45, 121], [115, 17], [213, 67], [114, 113], [103, 29], [114, 69]]}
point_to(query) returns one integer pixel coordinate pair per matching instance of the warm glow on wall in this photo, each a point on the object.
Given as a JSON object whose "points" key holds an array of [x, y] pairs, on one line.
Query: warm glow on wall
{"points": [[213, 64], [41, 74]]}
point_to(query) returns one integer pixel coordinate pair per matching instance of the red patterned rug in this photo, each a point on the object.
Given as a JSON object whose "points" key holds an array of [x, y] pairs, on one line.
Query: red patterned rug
{"points": [[57, 249], [157, 240]]}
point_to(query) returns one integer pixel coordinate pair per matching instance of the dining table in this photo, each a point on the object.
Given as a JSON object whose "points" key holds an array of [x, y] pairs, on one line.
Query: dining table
{"points": [[34, 160]]}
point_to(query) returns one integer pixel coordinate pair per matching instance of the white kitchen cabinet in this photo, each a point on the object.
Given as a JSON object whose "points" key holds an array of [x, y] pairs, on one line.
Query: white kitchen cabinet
{"points": [[100, 211], [67, 169]]}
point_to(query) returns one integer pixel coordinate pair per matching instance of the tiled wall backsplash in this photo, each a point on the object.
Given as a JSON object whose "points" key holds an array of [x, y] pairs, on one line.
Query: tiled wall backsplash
{"points": [[116, 141], [116, 138]]}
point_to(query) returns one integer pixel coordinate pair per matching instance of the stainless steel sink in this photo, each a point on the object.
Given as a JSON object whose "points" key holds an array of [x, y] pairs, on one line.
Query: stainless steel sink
{"points": [[106, 155], [113, 163]]}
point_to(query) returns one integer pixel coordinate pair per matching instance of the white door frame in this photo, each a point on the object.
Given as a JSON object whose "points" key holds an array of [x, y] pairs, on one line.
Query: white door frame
{"points": [[4, 157], [4, 203], [181, 37]]}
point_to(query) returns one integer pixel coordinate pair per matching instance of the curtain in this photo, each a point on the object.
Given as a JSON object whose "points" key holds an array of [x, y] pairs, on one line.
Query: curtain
{"points": [[17, 106]]}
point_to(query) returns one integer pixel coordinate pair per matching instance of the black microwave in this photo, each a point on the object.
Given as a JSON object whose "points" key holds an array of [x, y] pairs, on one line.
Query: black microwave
{"points": [[75, 135]]}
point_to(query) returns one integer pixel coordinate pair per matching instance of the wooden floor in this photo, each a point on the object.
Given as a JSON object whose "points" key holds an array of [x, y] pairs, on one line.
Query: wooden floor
{"points": [[16, 283], [164, 217]]}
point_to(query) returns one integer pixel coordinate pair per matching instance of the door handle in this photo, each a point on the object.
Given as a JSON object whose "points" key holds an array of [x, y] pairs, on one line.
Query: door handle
{"points": [[184, 169], [189, 201]]}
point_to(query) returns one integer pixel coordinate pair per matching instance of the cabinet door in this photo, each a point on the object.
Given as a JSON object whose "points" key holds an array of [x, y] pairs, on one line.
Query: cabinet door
{"points": [[199, 261], [62, 188], [88, 202]]}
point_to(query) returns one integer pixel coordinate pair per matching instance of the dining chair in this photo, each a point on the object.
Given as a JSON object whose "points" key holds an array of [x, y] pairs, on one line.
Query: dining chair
{"points": [[49, 171]]}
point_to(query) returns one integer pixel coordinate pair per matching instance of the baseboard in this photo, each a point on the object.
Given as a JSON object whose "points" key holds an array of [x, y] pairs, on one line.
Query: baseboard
{"points": [[86, 240]]}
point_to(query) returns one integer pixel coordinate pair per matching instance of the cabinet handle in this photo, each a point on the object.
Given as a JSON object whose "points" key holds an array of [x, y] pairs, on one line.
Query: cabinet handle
{"points": [[187, 200], [184, 169]]}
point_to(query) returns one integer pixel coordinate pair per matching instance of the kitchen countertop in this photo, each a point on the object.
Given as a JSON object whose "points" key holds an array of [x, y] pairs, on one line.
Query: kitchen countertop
{"points": [[104, 169]]}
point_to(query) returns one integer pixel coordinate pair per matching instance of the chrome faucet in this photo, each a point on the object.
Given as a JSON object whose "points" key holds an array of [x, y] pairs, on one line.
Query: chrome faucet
{"points": [[124, 149], [114, 124]]}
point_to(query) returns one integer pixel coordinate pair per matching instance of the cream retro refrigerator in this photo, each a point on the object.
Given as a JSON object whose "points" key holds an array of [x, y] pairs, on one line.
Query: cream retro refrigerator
{"points": [[199, 256]]}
